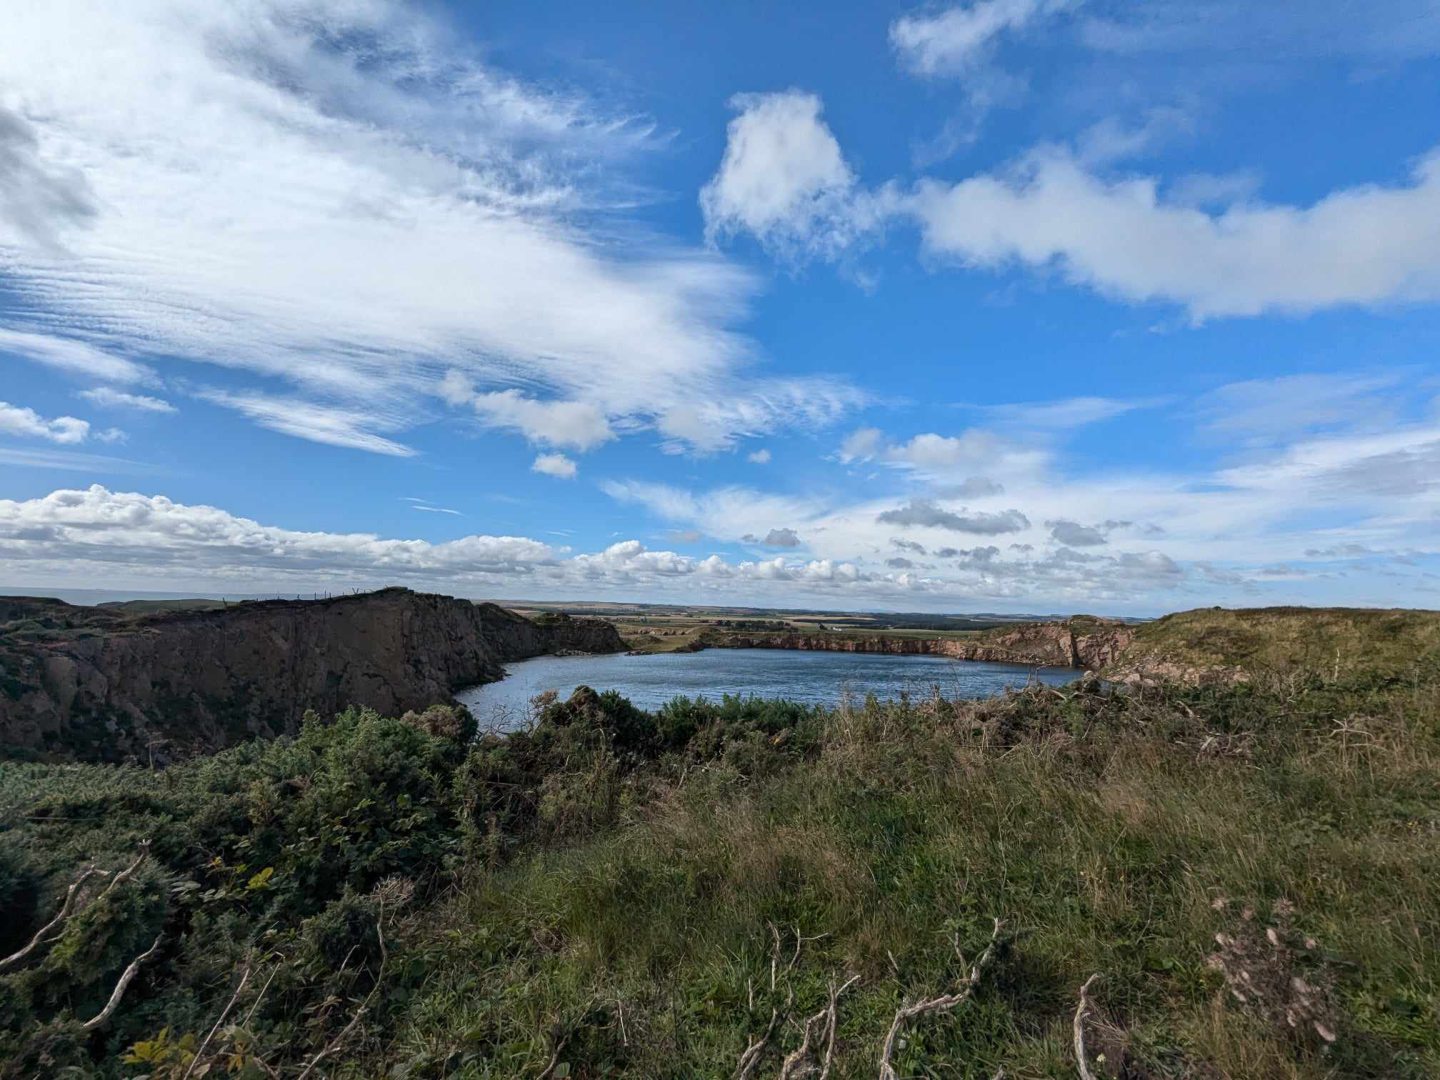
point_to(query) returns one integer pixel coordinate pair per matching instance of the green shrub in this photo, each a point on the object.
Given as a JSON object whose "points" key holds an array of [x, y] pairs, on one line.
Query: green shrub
{"points": [[612, 889]]}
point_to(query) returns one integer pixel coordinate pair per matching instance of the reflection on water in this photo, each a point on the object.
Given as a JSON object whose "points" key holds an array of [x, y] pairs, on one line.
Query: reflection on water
{"points": [[823, 678]]}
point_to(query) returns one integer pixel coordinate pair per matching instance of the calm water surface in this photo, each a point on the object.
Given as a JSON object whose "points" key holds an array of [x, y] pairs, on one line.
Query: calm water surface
{"points": [[822, 678]]}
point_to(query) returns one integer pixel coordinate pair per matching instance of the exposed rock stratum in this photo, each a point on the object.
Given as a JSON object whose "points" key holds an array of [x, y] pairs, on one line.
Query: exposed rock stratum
{"points": [[102, 685], [1081, 642]]}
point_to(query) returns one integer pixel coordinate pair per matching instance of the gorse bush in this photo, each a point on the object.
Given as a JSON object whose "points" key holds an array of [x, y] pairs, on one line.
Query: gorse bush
{"points": [[1253, 870]]}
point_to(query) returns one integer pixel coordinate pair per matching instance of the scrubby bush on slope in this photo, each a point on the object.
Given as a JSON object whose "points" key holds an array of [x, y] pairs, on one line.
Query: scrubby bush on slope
{"points": [[620, 893]]}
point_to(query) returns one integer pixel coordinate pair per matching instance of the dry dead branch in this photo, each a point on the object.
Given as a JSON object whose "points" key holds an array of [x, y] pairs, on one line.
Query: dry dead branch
{"points": [[1082, 1062], [126, 874], [50, 930], [801, 1062], [126, 977], [199, 1054], [334, 1044], [260, 997], [549, 1070], [750, 1059], [45, 932], [943, 1003]]}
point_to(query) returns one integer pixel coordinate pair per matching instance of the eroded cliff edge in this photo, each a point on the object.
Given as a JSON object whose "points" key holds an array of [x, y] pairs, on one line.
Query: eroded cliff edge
{"points": [[98, 685], [1080, 642]]}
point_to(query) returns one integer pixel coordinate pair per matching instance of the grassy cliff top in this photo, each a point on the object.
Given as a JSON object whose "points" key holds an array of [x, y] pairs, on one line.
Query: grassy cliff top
{"points": [[1285, 640]]}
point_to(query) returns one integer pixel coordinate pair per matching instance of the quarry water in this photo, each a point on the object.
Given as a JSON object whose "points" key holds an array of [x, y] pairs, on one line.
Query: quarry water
{"points": [[821, 678]]}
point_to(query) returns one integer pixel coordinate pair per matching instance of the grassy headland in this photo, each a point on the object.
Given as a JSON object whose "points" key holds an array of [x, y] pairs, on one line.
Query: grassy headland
{"points": [[1253, 870], [1283, 641]]}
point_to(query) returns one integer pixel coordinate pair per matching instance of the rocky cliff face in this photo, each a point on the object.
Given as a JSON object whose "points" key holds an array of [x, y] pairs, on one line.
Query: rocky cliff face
{"points": [[76, 682], [1079, 643]]}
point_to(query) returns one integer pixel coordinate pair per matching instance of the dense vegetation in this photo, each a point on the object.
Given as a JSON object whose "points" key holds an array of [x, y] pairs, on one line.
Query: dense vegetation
{"points": [[1253, 871]]}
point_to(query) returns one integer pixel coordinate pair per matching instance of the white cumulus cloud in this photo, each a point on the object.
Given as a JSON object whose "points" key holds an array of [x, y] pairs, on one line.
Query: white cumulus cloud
{"points": [[1365, 245], [576, 425], [557, 465], [26, 422], [783, 178], [1124, 235]]}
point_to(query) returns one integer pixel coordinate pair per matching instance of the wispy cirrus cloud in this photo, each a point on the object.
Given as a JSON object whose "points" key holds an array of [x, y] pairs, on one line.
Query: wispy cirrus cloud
{"points": [[352, 427], [340, 203], [957, 40], [427, 507], [1066, 413], [1260, 412], [72, 356], [110, 398], [71, 461], [1384, 30]]}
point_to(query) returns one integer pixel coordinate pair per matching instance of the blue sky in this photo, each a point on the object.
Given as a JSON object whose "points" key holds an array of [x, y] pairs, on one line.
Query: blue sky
{"points": [[1007, 305]]}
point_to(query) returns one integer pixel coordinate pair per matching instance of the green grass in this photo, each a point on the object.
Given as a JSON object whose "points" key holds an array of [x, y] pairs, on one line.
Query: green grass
{"points": [[606, 890], [1334, 641], [1102, 833]]}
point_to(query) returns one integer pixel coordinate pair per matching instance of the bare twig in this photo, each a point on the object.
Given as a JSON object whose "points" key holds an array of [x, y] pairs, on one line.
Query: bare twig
{"points": [[801, 1062], [126, 977], [943, 1003], [549, 1070], [753, 1053], [43, 934], [334, 1043], [255, 1059], [833, 1025], [255, 1005], [126, 874], [49, 931], [1082, 1064], [199, 1054], [750, 1059]]}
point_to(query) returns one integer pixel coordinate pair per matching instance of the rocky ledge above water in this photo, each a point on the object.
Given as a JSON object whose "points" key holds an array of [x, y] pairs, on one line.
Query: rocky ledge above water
{"points": [[101, 684], [1081, 642]]}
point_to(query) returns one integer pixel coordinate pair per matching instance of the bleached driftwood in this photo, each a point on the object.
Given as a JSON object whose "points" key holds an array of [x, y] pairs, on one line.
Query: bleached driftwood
{"points": [[801, 1062], [45, 932], [126, 977], [1082, 1063], [941, 1004]]}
